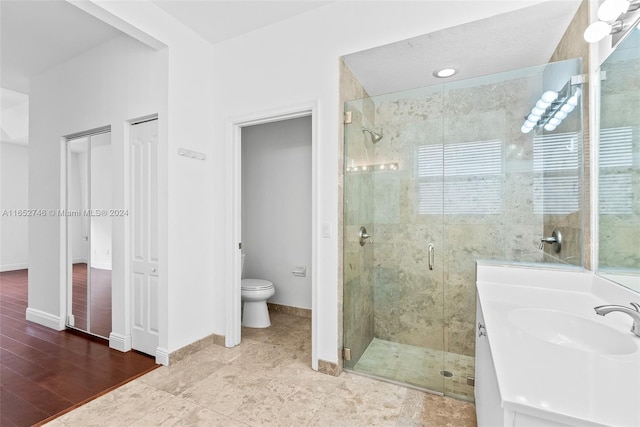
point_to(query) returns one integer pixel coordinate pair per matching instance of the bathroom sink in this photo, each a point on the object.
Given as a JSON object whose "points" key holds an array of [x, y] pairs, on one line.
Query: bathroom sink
{"points": [[571, 331]]}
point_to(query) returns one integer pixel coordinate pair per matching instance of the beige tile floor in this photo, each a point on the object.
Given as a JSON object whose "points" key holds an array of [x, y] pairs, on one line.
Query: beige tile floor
{"points": [[418, 366], [266, 380]]}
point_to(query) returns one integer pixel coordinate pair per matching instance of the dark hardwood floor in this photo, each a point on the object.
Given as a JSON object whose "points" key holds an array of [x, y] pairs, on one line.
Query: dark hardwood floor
{"points": [[44, 372], [100, 299]]}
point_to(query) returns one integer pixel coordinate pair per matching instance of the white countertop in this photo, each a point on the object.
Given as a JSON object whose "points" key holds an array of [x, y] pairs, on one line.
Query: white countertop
{"points": [[543, 379]]}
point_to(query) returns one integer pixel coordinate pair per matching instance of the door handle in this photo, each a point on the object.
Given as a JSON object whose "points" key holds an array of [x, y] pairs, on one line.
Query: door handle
{"points": [[432, 257]]}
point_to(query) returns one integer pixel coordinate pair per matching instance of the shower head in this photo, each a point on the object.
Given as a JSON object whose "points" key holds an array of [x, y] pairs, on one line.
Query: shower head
{"points": [[375, 136]]}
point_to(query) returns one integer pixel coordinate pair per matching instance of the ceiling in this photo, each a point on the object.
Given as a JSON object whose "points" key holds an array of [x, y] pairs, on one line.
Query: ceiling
{"points": [[37, 35], [511, 41], [217, 20]]}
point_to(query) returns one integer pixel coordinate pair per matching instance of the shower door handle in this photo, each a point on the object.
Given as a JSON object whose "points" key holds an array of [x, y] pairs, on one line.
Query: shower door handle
{"points": [[431, 256]]}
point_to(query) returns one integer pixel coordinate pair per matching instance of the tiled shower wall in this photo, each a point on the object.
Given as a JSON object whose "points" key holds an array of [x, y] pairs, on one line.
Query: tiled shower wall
{"points": [[357, 207], [389, 293], [577, 250], [619, 228], [576, 226], [407, 295]]}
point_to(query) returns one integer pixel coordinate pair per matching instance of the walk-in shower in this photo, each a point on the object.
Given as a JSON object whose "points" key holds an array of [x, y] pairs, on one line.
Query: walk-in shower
{"points": [[466, 184]]}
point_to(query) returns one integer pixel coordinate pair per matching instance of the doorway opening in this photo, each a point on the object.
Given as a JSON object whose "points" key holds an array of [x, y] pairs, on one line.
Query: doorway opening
{"points": [[275, 210]]}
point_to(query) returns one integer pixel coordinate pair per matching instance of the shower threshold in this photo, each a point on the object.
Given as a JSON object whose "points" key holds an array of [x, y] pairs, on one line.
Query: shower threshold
{"points": [[391, 381]]}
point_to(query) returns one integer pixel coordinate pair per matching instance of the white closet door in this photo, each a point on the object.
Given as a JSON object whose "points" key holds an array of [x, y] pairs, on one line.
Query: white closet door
{"points": [[144, 236]]}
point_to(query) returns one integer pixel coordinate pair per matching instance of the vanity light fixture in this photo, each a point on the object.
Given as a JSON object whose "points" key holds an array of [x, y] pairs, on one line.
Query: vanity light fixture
{"points": [[552, 108], [601, 29], [444, 73], [611, 10], [616, 17]]}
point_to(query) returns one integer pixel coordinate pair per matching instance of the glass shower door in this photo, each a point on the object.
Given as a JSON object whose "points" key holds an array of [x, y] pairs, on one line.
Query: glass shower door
{"points": [[393, 283], [453, 166]]}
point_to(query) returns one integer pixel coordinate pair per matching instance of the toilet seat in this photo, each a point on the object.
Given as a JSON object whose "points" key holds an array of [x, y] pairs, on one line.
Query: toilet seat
{"points": [[255, 285]]}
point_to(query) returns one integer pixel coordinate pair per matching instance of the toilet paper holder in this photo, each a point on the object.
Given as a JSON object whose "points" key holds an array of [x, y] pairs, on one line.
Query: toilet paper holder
{"points": [[299, 270]]}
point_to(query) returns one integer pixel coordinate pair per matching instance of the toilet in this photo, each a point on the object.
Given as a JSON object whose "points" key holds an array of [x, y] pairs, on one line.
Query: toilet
{"points": [[254, 294]]}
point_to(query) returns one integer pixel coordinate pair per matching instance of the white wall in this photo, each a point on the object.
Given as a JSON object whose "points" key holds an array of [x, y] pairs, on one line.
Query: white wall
{"points": [[15, 116], [276, 207], [14, 190], [191, 283], [176, 83], [115, 82], [290, 63], [294, 62]]}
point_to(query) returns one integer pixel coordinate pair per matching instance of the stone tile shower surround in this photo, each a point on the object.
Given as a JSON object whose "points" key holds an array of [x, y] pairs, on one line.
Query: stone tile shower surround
{"points": [[355, 303], [572, 45], [407, 296], [619, 231], [389, 292], [358, 211]]}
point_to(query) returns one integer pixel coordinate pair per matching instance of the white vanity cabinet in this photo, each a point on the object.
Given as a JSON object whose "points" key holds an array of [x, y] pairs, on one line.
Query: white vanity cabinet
{"points": [[543, 356], [489, 406], [488, 403]]}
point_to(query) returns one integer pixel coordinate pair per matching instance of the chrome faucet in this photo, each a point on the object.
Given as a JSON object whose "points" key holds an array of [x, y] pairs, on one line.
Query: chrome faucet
{"points": [[634, 313]]}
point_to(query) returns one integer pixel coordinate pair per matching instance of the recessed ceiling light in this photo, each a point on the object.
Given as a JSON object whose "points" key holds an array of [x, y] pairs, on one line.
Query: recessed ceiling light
{"points": [[445, 72]]}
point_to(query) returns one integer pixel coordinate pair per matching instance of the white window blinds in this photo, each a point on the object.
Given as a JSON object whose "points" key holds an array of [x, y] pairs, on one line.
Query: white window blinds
{"points": [[615, 166], [556, 182], [460, 178]]}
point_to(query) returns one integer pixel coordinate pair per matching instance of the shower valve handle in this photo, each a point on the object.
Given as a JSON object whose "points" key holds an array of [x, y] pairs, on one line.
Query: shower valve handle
{"points": [[555, 239], [364, 236]]}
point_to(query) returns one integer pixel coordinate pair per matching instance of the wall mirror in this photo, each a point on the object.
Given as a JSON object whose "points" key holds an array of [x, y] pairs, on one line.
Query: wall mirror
{"points": [[89, 235], [618, 165]]}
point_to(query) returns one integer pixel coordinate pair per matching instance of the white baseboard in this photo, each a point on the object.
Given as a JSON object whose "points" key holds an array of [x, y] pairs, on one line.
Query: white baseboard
{"points": [[102, 265], [120, 342], [162, 356], [45, 319], [15, 266]]}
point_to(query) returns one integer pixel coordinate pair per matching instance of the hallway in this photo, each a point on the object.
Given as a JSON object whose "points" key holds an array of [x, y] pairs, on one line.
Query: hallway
{"points": [[45, 372]]}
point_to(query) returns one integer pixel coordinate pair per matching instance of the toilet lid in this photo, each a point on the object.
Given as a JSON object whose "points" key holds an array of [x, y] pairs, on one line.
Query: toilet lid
{"points": [[255, 284]]}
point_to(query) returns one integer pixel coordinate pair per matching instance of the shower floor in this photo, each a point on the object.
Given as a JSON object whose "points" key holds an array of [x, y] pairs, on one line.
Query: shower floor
{"points": [[418, 366]]}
